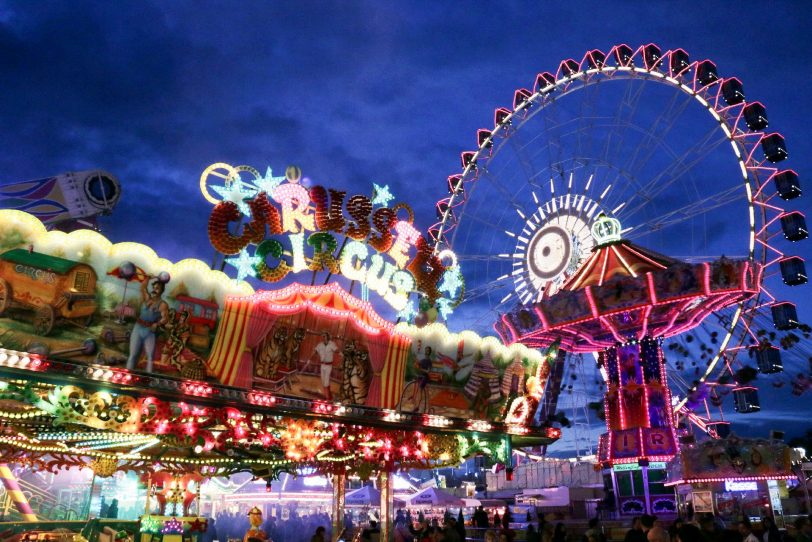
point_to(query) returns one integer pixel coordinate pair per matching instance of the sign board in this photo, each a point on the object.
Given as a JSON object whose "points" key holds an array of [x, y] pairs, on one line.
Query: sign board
{"points": [[731, 485], [272, 226], [703, 501]]}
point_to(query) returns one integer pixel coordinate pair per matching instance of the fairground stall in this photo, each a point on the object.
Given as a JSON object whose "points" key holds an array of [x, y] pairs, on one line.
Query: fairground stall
{"points": [[734, 477], [622, 303], [180, 374]]}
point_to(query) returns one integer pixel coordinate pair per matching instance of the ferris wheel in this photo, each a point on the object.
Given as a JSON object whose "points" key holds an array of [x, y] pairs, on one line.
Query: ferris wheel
{"points": [[688, 166]]}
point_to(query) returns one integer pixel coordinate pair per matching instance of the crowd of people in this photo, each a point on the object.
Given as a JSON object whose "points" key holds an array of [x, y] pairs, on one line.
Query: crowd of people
{"points": [[227, 526], [316, 527], [708, 528]]}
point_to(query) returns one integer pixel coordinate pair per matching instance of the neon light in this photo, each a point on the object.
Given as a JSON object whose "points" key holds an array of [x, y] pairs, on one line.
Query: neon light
{"points": [[404, 284], [382, 195], [452, 281], [350, 268], [245, 264], [295, 201], [406, 237], [731, 485], [379, 274], [297, 247]]}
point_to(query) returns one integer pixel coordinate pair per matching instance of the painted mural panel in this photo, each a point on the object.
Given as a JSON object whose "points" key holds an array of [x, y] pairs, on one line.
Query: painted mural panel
{"points": [[464, 375], [77, 295]]}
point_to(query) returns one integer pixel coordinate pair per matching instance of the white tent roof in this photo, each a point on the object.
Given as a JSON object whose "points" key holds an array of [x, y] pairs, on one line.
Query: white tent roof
{"points": [[367, 496], [431, 496]]}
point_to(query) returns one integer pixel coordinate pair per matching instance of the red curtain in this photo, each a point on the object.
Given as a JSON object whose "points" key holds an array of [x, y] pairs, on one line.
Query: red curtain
{"points": [[260, 323], [378, 351]]}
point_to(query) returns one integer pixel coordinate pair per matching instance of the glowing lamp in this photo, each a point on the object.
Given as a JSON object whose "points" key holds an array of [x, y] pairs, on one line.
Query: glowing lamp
{"points": [[606, 230]]}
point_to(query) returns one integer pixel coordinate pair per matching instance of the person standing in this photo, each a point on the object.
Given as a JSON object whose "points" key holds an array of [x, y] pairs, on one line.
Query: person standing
{"points": [[154, 314], [481, 518], [325, 351], [371, 533], [746, 530], [112, 511], [654, 529], [771, 532], [635, 534], [319, 535]]}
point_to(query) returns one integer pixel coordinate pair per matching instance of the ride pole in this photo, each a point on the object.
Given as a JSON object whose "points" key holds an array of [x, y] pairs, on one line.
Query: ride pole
{"points": [[387, 504], [339, 480], [16, 494]]}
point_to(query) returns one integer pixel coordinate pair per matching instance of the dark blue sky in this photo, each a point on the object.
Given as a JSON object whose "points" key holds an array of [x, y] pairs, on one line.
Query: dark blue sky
{"points": [[353, 92]]}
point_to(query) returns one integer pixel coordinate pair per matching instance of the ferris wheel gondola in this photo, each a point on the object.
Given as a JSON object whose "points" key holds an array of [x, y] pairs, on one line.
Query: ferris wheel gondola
{"points": [[673, 150]]}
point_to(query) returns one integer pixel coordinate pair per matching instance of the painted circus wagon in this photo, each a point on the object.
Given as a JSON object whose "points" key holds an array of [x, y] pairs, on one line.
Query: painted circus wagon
{"points": [[55, 289]]}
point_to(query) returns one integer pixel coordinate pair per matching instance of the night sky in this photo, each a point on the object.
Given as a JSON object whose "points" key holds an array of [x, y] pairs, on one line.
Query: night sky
{"points": [[352, 92]]}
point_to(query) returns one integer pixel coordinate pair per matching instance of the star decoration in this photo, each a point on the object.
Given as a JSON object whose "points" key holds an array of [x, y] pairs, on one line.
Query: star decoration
{"points": [[445, 307], [408, 313], [268, 182], [381, 195], [452, 281], [245, 264], [237, 192], [200, 525], [150, 525], [172, 526]]}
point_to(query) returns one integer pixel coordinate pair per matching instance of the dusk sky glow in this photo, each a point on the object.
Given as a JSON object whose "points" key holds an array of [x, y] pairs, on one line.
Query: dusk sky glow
{"points": [[352, 92]]}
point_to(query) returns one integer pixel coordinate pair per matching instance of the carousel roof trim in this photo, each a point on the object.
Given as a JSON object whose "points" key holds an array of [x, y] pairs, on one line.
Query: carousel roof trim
{"points": [[330, 299], [144, 405], [619, 258]]}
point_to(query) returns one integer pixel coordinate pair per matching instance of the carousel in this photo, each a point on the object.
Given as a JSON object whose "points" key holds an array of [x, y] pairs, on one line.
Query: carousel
{"points": [[180, 374]]}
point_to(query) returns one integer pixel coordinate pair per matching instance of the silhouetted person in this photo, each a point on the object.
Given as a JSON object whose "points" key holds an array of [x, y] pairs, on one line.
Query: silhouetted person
{"points": [[635, 534]]}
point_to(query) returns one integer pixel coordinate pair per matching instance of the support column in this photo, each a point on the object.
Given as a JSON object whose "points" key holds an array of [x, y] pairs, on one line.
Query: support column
{"points": [[339, 481], [646, 491], [16, 494], [387, 505]]}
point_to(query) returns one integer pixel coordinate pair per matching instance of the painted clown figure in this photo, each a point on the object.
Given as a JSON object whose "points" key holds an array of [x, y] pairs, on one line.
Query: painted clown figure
{"points": [[255, 532]]}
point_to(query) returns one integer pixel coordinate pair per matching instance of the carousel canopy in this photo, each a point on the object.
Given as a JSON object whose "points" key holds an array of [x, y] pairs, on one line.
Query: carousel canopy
{"points": [[627, 292], [330, 300]]}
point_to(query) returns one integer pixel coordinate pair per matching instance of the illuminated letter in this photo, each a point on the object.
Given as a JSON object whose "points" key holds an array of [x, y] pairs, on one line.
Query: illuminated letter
{"points": [[262, 212], [324, 245], [403, 284], [271, 274], [349, 269], [426, 269], [220, 237], [295, 202], [297, 249], [406, 237], [329, 216], [377, 266], [359, 208], [383, 219]]}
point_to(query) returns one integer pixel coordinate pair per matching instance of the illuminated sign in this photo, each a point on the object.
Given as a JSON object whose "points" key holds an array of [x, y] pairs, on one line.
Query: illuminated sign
{"points": [[740, 486], [624, 467], [272, 226]]}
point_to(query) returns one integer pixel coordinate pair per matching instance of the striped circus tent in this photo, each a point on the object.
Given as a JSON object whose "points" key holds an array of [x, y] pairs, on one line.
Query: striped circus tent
{"points": [[247, 320], [484, 371]]}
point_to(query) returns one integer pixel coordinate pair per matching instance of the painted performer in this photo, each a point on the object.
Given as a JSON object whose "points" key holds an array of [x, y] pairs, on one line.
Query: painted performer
{"points": [[154, 314], [178, 333], [325, 352]]}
